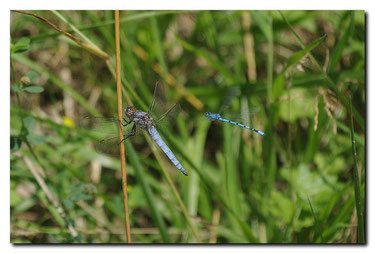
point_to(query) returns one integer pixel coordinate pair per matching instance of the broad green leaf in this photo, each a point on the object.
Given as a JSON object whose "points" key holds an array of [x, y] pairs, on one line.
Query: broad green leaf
{"points": [[298, 107], [32, 76], [20, 46], [68, 203], [16, 89], [35, 139], [34, 89], [281, 207], [29, 123]]}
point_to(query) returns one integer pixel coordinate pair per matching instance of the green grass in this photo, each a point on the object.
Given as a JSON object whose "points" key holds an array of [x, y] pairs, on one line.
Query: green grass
{"points": [[301, 183]]}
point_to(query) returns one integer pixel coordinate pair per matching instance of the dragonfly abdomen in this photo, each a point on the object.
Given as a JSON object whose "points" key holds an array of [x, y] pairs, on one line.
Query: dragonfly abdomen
{"points": [[160, 142], [241, 125]]}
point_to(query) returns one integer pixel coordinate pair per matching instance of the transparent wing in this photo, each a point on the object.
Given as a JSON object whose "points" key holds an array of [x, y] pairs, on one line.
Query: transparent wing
{"points": [[100, 124], [233, 91], [168, 119], [164, 114], [244, 114], [111, 145], [108, 146]]}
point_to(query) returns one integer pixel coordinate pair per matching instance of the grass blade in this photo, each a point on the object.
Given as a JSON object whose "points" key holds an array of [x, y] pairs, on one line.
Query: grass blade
{"points": [[357, 188], [141, 178], [339, 48], [316, 221]]}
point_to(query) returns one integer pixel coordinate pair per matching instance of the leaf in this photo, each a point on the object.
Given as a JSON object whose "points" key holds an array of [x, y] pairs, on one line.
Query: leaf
{"points": [[16, 89], [278, 88], [339, 47], [15, 143], [68, 203], [21, 45], [29, 123], [296, 57], [34, 89], [261, 20], [32, 75], [35, 139]]}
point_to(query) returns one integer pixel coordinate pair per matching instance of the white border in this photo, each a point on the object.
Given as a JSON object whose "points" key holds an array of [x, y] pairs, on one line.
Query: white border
{"points": [[6, 247]]}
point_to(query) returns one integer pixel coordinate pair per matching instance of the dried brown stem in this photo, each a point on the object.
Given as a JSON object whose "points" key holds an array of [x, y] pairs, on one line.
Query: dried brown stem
{"points": [[91, 48], [119, 109]]}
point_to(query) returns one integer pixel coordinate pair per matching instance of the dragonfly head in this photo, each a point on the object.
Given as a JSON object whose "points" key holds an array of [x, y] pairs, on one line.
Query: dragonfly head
{"points": [[130, 112]]}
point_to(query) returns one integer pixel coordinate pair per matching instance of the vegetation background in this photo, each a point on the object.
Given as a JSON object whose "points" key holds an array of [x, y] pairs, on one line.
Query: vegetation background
{"points": [[304, 182]]}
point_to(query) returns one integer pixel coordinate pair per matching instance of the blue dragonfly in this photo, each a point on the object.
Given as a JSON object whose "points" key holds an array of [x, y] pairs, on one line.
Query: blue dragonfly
{"points": [[232, 92], [144, 121], [218, 117]]}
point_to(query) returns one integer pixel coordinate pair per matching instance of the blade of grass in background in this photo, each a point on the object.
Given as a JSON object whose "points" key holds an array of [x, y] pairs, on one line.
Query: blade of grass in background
{"points": [[140, 174], [316, 221], [357, 184]]}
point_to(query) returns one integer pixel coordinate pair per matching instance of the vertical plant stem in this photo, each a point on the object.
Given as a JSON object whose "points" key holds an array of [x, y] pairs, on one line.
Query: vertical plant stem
{"points": [[119, 109], [357, 185], [270, 62]]}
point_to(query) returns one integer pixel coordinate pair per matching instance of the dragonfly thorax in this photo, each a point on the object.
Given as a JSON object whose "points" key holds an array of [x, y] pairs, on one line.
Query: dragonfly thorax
{"points": [[143, 120], [212, 115], [140, 118]]}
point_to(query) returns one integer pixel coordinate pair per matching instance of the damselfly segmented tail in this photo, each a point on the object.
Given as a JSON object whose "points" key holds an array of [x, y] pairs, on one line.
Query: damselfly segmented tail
{"points": [[159, 141], [218, 117]]}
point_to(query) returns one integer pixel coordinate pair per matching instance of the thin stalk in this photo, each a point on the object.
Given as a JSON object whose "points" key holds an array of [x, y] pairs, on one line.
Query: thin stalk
{"points": [[119, 109], [270, 62], [357, 187], [87, 46], [72, 27], [316, 220]]}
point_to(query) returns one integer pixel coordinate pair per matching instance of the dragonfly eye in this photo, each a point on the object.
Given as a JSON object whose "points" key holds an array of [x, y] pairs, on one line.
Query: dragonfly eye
{"points": [[130, 111]]}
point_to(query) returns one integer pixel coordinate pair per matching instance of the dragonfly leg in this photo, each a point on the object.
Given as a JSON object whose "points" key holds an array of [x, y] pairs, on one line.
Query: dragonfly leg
{"points": [[132, 133], [126, 122]]}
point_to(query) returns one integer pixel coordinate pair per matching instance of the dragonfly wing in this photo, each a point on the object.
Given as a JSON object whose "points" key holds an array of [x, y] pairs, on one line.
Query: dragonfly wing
{"points": [[112, 145], [168, 118], [233, 91], [108, 146], [100, 124], [245, 114]]}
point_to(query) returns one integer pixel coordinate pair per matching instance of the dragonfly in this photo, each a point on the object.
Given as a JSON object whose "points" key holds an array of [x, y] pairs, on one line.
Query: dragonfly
{"points": [[218, 117], [232, 92], [144, 121]]}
